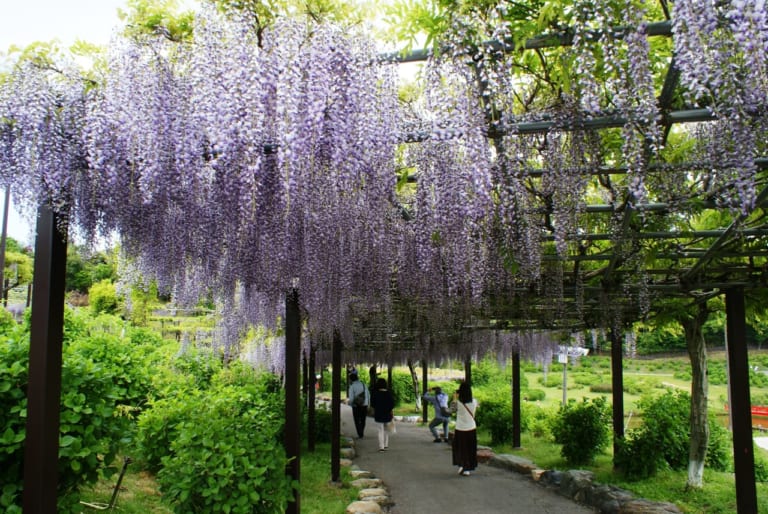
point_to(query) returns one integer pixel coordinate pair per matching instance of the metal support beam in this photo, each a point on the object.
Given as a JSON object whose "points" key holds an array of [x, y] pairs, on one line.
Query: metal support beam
{"points": [[41, 447], [740, 407], [556, 39], [336, 407], [722, 240], [292, 394]]}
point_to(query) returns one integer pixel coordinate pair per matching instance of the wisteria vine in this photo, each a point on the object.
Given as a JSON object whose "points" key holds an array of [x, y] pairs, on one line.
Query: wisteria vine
{"points": [[240, 165]]}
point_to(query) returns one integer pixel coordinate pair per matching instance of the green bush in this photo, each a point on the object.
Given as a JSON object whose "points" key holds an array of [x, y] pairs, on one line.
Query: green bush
{"points": [[719, 449], [534, 395], [227, 455], [662, 441], [6, 320], [583, 429], [103, 298], [553, 379], [537, 420], [757, 379], [496, 417], [761, 466], [587, 379], [158, 426], [91, 429], [716, 372], [603, 388], [666, 429], [402, 387], [636, 387], [323, 424]]}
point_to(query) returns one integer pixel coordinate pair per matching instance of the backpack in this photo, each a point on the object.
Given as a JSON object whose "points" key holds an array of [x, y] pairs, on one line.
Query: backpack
{"points": [[445, 411], [359, 400]]}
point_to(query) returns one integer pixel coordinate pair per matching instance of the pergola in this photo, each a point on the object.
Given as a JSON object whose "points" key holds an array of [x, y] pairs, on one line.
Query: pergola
{"points": [[594, 278]]}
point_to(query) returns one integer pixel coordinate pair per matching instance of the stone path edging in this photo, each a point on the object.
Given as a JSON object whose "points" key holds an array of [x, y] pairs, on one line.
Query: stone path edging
{"points": [[579, 485], [372, 497]]}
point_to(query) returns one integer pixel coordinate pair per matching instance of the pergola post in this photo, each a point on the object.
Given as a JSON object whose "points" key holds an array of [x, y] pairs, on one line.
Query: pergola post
{"points": [[468, 370], [617, 387], [41, 446], [516, 399], [424, 390], [336, 407], [292, 394], [740, 407], [311, 419]]}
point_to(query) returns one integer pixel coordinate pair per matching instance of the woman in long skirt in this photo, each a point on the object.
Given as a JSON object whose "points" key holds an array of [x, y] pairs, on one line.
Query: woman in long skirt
{"points": [[465, 436]]}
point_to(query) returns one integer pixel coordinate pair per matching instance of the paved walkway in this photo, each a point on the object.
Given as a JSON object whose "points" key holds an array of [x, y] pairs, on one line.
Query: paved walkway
{"points": [[422, 480]]}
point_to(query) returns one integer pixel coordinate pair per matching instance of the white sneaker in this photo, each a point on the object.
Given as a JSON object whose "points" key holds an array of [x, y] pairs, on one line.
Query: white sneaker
{"points": [[460, 470]]}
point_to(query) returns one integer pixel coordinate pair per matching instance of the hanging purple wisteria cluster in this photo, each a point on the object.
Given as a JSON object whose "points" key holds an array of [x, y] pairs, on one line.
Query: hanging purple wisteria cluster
{"points": [[242, 164]]}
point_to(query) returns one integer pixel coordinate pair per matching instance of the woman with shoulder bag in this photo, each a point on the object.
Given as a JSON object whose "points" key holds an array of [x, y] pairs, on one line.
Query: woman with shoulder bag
{"points": [[465, 436]]}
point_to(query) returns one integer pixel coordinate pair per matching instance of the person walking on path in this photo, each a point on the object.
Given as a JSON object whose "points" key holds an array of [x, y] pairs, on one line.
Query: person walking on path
{"points": [[358, 398], [465, 437], [383, 404], [439, 401]]}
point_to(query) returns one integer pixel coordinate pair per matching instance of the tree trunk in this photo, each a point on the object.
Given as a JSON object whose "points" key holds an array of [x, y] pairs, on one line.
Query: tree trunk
{"points": [[415, 382], [697, 352]]}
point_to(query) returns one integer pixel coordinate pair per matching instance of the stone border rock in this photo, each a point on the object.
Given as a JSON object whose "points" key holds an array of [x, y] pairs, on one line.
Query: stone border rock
{"points": [[373, 497], [579, 486]]}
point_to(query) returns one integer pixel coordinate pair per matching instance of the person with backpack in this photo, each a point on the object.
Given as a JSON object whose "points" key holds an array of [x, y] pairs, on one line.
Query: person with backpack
{"points": [[439, 401], [358, 398], [465, 436]]}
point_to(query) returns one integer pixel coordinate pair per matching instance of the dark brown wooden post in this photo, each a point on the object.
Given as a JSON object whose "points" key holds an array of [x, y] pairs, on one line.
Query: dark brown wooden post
{"points": [[389, 375], [292, 394], [468, 370], [41, 447], [617, 387], [336, 407], [740, 407], [424, 390], [311, 398], [3, 238], [516, 399]]}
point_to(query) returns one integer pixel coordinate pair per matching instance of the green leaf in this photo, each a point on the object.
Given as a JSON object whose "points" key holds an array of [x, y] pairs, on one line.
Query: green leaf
{"points": [[66, 441]]}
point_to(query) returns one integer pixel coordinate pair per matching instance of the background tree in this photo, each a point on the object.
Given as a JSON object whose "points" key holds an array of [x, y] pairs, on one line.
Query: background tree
{"points": [[18, 267]]}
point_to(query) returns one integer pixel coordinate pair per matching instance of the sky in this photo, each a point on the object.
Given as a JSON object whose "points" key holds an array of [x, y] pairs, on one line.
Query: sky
{"points": [[25, 21]]}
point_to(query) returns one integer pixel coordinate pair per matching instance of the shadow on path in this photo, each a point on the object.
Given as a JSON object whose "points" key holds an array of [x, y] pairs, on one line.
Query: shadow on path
{"points": [[422, 480]]}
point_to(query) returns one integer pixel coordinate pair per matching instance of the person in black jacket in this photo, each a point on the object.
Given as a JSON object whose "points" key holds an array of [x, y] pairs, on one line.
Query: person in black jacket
{"points": [[383, 404]]}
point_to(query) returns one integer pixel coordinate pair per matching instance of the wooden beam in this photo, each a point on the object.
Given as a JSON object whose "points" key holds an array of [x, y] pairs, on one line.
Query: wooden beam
{"points": [[617, 386], [292, 394], [336, 408], [41, 446], [516, 417], [740, 407]]}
